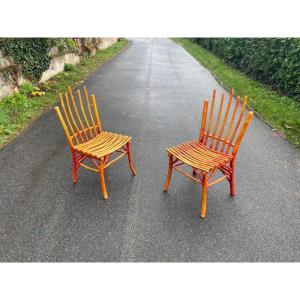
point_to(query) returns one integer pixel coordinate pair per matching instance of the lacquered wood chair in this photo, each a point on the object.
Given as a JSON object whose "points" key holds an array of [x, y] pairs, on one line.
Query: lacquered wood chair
{"points": [[220, 137], [86, 138]]}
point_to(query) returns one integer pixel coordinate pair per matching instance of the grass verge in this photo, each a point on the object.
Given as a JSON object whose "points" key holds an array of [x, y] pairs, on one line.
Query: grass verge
{"points": [[17, 110], [280, 112]]}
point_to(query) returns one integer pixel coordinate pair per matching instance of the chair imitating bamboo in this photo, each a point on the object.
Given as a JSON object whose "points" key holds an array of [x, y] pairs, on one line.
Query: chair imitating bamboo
{"points": [[220, 137], [86, 138]]}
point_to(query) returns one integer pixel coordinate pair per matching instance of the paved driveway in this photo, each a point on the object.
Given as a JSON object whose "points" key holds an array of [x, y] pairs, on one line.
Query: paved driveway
{"points": [[152, 91]]}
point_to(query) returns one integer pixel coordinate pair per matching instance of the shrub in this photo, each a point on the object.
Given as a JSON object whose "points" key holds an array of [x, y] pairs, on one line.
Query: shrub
{"points": [[272, 61], [26, 88], [69, 67]]}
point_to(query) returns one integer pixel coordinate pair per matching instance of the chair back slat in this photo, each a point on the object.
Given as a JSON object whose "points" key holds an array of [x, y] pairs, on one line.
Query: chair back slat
{"points": [[220, 132], [77, 114], [78, 133], [224, 120], [242, 132], [67, 117], [231, 139], [82, 124], [63, 123], [217, 122], [237, 103], [204, 114], [83, 113], [96, 113], [88, 104], [210, 116]]}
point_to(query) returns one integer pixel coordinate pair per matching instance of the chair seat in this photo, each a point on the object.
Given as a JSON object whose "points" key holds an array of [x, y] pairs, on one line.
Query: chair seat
{"points": [[196, 155], [103, 144]]}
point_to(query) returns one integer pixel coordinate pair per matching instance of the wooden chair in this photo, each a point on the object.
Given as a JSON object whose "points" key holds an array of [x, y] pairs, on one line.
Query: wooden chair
{"points": [[86, 138], [216, 148]]}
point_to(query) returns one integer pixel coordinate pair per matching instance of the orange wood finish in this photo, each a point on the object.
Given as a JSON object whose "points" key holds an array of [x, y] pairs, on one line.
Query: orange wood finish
{"points": [[221, 133], [86, 138]]}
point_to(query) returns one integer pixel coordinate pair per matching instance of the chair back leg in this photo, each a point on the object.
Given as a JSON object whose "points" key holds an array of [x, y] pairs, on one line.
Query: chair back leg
{"points": [[232, 178], [130, 159], [74, 167], [168, 178]]}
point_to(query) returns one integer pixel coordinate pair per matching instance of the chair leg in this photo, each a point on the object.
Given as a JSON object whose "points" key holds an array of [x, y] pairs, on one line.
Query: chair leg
{"points": [[168, 178], [130, 160], [74, 168], [74, 173], [102, 181], [232, 179], [204, 196]]}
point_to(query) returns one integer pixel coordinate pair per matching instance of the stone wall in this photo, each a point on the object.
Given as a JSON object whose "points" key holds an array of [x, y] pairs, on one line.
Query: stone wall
{"points": [[107, 42], [7, 78], [57, 64], [11, 78]]}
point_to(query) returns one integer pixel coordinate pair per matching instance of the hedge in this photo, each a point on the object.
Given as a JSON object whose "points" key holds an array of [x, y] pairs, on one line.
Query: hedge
{"points": [[272, 61]]}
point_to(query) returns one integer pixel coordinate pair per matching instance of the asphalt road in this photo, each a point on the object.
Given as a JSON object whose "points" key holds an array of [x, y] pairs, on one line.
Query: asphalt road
{"points": [[152, 91]]}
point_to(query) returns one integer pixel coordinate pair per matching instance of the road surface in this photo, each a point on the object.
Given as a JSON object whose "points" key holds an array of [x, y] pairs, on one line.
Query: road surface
{"points": [[152, 91]]}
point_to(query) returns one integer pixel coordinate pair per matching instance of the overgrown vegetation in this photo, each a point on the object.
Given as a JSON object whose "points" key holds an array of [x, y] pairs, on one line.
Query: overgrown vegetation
{"points": [[272, 61], [63, 45], [31, 55], [69, 67], [281, 112], [17, 110]]}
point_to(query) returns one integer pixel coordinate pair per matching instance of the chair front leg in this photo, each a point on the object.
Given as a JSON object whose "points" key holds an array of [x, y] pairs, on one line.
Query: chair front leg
{"points": [[102, 180], [130, 159], [204, 196], [232, 178], [168, 178]]}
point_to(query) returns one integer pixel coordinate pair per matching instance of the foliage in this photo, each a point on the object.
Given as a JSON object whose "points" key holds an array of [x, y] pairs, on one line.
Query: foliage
{"points": [[4, 118], [14, 109], [69, 67], [30, 54], [63, 44], [272, 61], [17, 110], [26, 88], [281, 112], [15, 104]]}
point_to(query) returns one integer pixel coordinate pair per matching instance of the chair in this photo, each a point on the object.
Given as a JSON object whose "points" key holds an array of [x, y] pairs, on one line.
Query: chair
{"points": [[216, 148], [86, 138]]}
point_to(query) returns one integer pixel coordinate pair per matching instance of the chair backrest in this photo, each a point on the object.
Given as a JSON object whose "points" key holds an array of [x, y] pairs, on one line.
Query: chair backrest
{"points": [[80, 125], [223, 130]]}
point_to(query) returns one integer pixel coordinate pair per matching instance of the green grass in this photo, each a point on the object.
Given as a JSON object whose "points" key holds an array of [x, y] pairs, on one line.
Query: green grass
{"points": [[19, 109], [280, 112]]}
